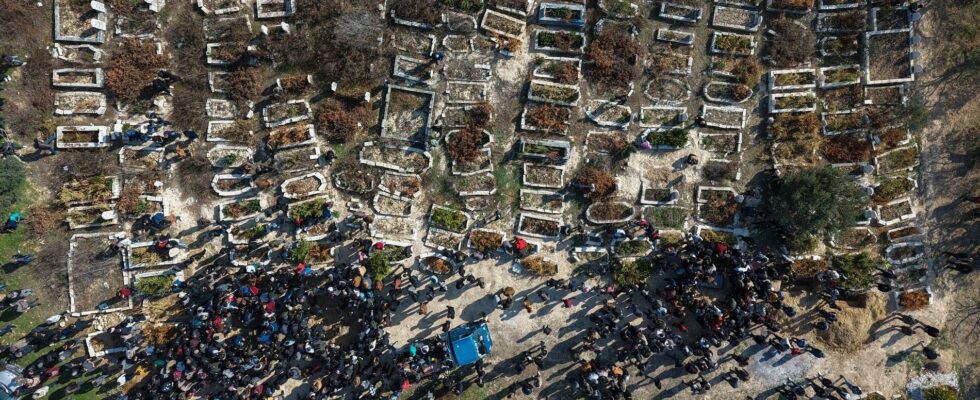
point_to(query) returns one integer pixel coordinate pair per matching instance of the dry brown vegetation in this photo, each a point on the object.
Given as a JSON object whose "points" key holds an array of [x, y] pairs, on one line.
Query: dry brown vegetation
{"points": [[602, 182], [548, 117], [338, 122], [464, 145], [183, 31], [133, 67], [245, 84], [613, 55], [791, 45]]}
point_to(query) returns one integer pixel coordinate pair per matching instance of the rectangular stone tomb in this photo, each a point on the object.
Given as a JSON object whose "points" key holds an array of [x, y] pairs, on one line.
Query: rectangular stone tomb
{"points": [[82, 137], [481, 184], [553, 93], [542, 201], [402, 159], [79, 103], [385, 227], [81, 78], [78, 22], [388, 204], [483, 163], [148, 255], [567, 70], [723, 117], [289, 136], [888, 57], [93, 216], [609, 114], [732, 44], [221, 109], [548, 118], [736, 19], [304, 186], [265, 9], [802, 78], [414, 70], [229, 131], [219, 7], [544, 176], [279, 114], [680, 12], [554, 151], [466, 92], [407, 114], [674, 36], [226, 28], [842, 22], [90, 273], [503, 24], [78, 53], [792, 102], [230, 185], [561, 14], [296, 159], [839, 76], [539, 226], [559, 41]]}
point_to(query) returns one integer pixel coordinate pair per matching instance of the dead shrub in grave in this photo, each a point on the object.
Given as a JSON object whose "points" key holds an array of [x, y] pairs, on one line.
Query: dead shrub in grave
{"points": [[566, 74], [133, 67], [244, 84], [424, 11], [539, 266], [128, 199], [464, 145], [548, 117], [789, 47], [845, 149], [603, 184], [338, 122], [747, 72], [613, 55], [480, 115], [791, 126]]}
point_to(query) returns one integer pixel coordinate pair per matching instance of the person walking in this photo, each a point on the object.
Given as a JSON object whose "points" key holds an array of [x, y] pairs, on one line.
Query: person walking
{"points": [[527, 305]]}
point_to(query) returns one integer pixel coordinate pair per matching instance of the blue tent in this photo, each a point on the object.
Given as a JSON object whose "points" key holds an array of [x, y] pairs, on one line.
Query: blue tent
{"points": [[469, 343]]}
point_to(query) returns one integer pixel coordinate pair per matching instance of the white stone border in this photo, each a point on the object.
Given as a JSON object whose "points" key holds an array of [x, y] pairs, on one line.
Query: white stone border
{"points": [[564, 145], [460, 237], [720, 100], [104, 222], [213, 107], [774, 96], [99, 109], [833, 242], [902, 88], [616, 242], [383, 188], [288, 8], [662, 147], [528, 127], [90, 348], [901, 218], [770, 8], [741, 111], [572, 23], [71, 290], [738, 141], [908, 238], [58, 50], [150, 148], [456, 86], [213, 155], [400, 73], [538, 71], [534, 97], [660, 101], [755, 15], [387, 104], [232, 193], [469, 237], [269, 123], [301, 234], [680, 110], [823, 41], [830, 7], [488, 13], [379, 194], [428, 219], [212, 77], [520, 222], [828, 132], [672, 15], [95, 72], [214, 62], [589, 218], [221, 208], [394, 167], [101, 141], [699, 199], [901, 9], [867, 58], [823, 76], [293, 196], [100, 19], [537, 33], [487, 155], [525, 182], [771, 82], [823, 28], [380, 235], [596, 118], [213, 128], [310, 138], [220, 11], [421, 263], [524, 12], [590, 250], [712, 47], [127, 256], [542, 193], [897, 295], [674, 196], [663, 32], [877, 161]]}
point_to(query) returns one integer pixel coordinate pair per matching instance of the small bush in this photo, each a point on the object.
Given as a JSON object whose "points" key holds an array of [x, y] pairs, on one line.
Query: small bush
{"points": [[858, 268], [539, 266], [673, 138], [155, 285], [244, 84], [634, 272], [613, 55], [450, 220], [940, 393], [548, 117], [339, 123], [378, 266]]}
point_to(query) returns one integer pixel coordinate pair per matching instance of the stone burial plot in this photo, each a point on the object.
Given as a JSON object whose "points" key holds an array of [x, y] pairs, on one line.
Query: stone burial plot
{"points": [[795, 102], [888, 95], [854, 239], [839, 46], [92, 216], [408, 160], [733, 44], [736, 19], [485, 240], [394, 228], [547, 118], [482, 162], [789, 6], [553, 93], [95, 273], [667, 139], [90, 190], [609, 114], [407, 114], [290, 136], [888, 57], [401, 185], [224, 54], [542, 201], [251, 230], [240, 209], [670, 60], [723, 117], [224, 156], [683, 38], [554, 41], [221, 109], [142, 158], [716, 206], [414, 70], [561, 14], [447, 227], [230, 131], [466, 92], [78, 22], [609, 143], [892, 188], [850, 21], [458, 22], [309, 218], [839, 76], [226, 28], [843, 122], [146, 255], [79, 103], [546, 151], [564, 70], [296, 159], [467, 69], [353, 179], [659, 196], [890, 18], [395, 206], [483, 184], [544, 176], [230, 185], [458, 43], [843, 99], [900, 160], [265, 9], [727, 92], [620, 9], [279, 114], [304, 186], [666, 217], [78, 53], [723, 144], [795, 79], [846, 148], [721, 170], [503, 24], [896, 211], [668, 91], [219, 7], [77, 78], [461, 116], [82, 137], [680, 12], [538, 226], [904, 234], [610, 212]]}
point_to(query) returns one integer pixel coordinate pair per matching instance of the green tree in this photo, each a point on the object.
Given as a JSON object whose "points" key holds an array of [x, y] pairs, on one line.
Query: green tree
{"points": [[815, 202], [378, 265], [12, 179]]}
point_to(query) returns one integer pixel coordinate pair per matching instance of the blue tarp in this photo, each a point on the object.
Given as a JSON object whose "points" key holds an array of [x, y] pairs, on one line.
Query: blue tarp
{"points": [[469, 343]]}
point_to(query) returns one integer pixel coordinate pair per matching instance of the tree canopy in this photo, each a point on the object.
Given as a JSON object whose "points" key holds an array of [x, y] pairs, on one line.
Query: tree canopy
{"points": [[815, 202]]}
